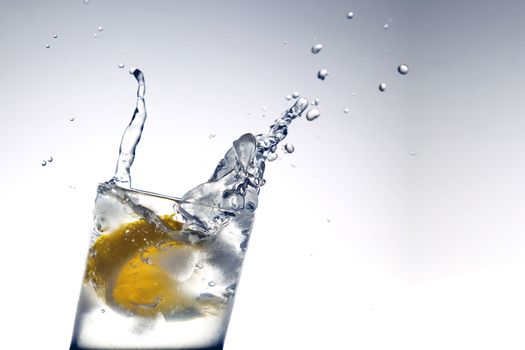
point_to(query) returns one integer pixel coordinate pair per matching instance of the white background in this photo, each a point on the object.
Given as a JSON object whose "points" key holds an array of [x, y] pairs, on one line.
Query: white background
{"points": [[361, 245]]}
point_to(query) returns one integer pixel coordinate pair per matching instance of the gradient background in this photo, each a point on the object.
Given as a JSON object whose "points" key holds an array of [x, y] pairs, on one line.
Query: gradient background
{"points": [[361, 245]]}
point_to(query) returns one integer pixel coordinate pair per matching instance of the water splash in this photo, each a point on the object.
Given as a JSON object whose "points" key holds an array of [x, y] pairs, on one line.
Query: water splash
{"points": [[131, 136]]}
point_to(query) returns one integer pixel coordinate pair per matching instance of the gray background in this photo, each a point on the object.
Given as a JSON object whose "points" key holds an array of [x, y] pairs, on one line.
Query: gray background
{"points": [[360, 245]]}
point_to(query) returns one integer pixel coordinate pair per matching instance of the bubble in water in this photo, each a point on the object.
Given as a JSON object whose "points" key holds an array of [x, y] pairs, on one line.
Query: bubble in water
{"points": [[313, 114], [55, 36], [288, 97], [272, 157], [350, 15], [43, 163], [211, 284], [100, 28], [382, 87], [346, 110], [386, 26], [289, 148], [50, 159], [317, 48], [402, 69], [322, 74], [121, 65], [48, 46], [72, 119]]}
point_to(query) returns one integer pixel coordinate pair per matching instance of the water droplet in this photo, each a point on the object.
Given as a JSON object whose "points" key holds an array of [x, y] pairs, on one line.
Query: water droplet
{"points": [[312, 114], [48, 46], [350, 15], [211, 284], [316, 102], [72, 119], [272, 157], [86, 2], [288, 97], [95, 35], [317, 48], [289, 148], [55, 36], [382, 87], [50, 159], [354, 93], [43, 163], [322, 74], [100, 28], [346, 110], [328, 220], [210, 136], [264, 108], [296, 94], [413, 154], [103, 310], [402, 69], [121, 65], [285, 42], [386, 26], [293, 165]]}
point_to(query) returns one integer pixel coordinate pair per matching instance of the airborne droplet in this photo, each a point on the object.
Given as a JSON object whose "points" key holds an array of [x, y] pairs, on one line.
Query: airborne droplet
{"points": [[55, 36], [48, 46], [289, 148], [296, 94], [121, 65], [346, 110], [43, 163], [386, 26], [50, 159], [72, 119], [382, 87], [317, 48], [86, 2], [316, 102], [402, 69], [322, 74], [272, 157], [350, 15], [100, 28], [211, 284], [313, 114], [288, 97]]}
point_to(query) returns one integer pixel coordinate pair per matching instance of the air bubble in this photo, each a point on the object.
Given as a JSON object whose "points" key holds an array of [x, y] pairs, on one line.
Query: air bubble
{"points": [[72, 119], [313, 114], [316, 48], [289, 148], [402, 69], [322, 74], [382, 87]]}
